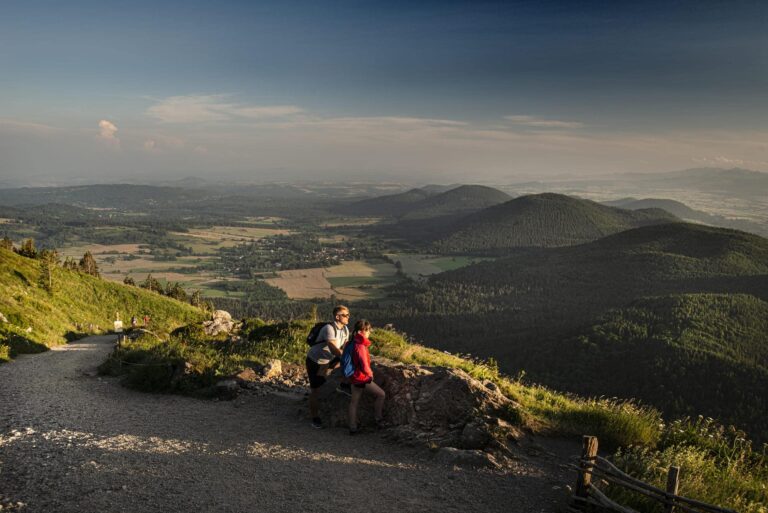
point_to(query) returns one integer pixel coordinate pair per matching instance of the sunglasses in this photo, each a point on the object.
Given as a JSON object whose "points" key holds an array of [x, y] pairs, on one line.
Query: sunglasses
{"points": [[344, 315]]}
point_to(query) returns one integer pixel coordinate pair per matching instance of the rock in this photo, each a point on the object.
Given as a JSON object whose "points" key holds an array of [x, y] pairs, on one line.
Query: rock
{"points": [[272, 369], [246, 376], [465, 458], [3, 319], [428, 406], [475, 435], [227, 389], [490, 385], [29, 329], [220, 323]]}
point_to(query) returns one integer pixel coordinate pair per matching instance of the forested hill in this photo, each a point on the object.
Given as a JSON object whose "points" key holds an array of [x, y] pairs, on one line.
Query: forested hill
{"points": [[391, 205], [686, 213], [462, 199], [543, 220], [521, 309], [689, 354]]}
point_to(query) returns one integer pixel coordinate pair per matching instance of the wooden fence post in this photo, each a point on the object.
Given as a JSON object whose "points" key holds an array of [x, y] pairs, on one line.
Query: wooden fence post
{"points": [[588, 454], [673, 482]]}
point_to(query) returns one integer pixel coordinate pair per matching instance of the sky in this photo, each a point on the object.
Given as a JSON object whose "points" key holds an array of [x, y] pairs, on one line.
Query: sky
{"points": [[416, 91]]}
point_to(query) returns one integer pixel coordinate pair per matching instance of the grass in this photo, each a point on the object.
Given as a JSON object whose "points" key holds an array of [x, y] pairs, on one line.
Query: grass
{"points": [[78, 305], [359, 281], [718, 466]]}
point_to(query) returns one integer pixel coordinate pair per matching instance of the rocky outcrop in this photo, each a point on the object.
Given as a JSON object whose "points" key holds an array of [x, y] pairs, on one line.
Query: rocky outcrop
{"points": [[433, 407], [220, 323]]}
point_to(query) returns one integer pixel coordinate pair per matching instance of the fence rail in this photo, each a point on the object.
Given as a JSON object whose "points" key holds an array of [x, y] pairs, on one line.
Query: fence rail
{"points": [[588, 497]]}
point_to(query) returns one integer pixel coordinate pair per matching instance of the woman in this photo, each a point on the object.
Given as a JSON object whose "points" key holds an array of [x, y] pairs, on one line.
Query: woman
{"points": [[362, 377]]}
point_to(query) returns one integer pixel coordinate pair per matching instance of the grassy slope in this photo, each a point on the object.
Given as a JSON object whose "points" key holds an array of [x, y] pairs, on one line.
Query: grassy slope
{"points": [[543, 220], [77, 300]]}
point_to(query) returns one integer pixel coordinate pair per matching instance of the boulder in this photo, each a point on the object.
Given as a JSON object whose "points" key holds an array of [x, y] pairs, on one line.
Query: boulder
{"points": [[3, 319], [273, 369], [428, 406], [220, 323]]}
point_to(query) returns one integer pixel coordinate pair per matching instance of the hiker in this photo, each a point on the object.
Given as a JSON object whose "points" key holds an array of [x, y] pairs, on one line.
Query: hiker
{"points": [[324, 355], [134, 322], [362, 377]]}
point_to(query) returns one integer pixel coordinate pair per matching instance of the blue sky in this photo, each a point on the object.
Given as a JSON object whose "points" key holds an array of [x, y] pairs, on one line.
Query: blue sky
{"points": [[359, 89]]}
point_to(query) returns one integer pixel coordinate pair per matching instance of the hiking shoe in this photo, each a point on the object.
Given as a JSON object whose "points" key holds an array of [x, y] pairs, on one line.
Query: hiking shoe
{"points": [[344, 388], [317, 423], [381, 424], [355, 430]]}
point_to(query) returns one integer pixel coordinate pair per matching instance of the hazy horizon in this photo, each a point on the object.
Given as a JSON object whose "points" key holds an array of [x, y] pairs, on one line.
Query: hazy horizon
{"points": [[442, 92]]}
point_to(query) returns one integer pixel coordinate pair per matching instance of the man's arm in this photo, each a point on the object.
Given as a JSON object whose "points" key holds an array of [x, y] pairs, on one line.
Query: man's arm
{"points": [[333, 346]]}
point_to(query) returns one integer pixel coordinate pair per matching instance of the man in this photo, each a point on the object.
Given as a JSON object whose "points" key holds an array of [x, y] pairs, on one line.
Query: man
{"points": [[324, 356]]}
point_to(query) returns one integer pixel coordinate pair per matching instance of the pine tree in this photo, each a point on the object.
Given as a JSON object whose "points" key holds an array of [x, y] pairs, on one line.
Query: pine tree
{"points": [[28, 249], [6, 243], [49, 260], [196, 299], [88, 264]]}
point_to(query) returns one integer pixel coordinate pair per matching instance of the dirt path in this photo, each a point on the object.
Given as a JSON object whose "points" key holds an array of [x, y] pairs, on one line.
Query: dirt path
{"points": [[74, 442]]}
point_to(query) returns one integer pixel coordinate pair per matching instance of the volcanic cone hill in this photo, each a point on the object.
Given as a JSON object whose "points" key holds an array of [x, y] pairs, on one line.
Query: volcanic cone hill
{"points": [[542, 220]]}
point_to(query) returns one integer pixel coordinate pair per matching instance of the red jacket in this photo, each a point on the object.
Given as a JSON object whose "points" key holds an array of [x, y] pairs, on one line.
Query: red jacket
{"points": [[361, 359]]}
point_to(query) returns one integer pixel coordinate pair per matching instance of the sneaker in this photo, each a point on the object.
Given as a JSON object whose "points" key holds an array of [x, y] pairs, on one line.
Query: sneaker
{"points": [[355, 430], [344, 388], [317, 423]]}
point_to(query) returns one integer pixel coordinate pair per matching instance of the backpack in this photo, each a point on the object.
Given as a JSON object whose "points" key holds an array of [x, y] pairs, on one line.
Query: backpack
{"points": [[347, 363], [315, 331]]}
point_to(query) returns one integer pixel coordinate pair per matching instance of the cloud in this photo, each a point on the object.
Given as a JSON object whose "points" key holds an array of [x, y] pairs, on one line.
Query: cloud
{"points": [[107, 131], [26, 127], [213, 108], [150, 144], [536, 122]]}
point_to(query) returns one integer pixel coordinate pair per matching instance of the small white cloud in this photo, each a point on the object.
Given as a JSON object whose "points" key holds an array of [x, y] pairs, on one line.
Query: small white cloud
{"points": [[107, 131], [536, 122]]}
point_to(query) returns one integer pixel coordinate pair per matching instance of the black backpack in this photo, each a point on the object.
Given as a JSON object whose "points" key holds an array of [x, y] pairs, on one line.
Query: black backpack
{"points": [[315, 331]]}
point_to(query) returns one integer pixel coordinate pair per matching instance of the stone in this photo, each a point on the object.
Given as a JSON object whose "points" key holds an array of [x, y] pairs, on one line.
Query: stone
{"points": [[427, 406], [221, 322], [465, 458], [272, 369], [3, 319], [475, 435], [245, 376], [227, 389]]}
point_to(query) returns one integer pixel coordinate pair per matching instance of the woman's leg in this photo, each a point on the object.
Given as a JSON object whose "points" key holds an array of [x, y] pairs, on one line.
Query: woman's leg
{"points": [[356, 393], [380, 395]]}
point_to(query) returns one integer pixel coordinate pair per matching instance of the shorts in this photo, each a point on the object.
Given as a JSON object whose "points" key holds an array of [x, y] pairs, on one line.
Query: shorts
{"points": [[362, 385], [316, 381]]}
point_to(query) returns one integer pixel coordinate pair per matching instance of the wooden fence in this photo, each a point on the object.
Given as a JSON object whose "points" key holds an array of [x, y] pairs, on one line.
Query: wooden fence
{"points": [[587, 497]]}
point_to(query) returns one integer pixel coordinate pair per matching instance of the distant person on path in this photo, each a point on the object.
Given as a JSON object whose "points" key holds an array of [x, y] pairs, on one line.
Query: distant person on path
{"points": [[134, 322], [324, 356], [146, 321], [362, 378]]}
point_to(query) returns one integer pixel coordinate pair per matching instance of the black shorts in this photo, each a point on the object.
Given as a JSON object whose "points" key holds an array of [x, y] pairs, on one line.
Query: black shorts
{"points": [[316, 381]]}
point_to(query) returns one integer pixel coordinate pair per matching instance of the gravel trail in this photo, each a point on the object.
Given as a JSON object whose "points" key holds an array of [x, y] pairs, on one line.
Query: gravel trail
{"points": [[74, 442]]}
